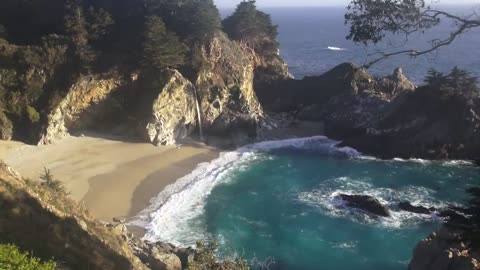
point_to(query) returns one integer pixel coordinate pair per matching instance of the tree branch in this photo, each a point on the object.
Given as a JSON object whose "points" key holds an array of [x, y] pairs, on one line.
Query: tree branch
{"points": [[430, 15]]}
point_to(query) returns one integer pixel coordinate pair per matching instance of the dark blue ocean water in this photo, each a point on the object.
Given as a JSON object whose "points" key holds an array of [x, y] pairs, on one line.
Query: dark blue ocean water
{"points": [[278, 200], [306, 33]]}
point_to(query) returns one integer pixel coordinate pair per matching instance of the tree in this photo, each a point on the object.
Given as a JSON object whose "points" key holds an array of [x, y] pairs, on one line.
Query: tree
{"points": [[99, 23], [76, 28], [162, 49], [371, 20], [51, 183], [457, 81], [435, 78], [255, 28], [192, 20]]}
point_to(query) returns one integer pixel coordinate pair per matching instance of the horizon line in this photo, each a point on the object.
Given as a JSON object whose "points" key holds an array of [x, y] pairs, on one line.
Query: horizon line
{"points": [[337, 6]]}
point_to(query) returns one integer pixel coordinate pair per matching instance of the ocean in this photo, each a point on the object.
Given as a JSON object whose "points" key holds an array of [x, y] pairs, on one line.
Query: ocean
{"points": [[312, 41], [277, 201]]}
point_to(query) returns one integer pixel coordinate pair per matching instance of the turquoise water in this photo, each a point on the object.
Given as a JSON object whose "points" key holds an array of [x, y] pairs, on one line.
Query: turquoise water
{"points": [[277, 200]]}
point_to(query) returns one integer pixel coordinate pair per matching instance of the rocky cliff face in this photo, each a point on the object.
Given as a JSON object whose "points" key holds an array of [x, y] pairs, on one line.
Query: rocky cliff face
{"points": [[174, 113], [37, 219], [84, 102], [225, 84], [6, 127], [443, 250], [27, 76], [429, 123], [222, 83], [41, 220]]}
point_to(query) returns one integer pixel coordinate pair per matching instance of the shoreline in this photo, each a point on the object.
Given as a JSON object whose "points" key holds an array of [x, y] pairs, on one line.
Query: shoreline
{"points": [[112, 178]]}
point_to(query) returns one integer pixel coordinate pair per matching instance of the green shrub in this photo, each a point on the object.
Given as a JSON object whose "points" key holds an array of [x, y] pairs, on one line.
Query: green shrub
{"points": [[13, 259], [52, 184], [206, 259], [32, 114]]}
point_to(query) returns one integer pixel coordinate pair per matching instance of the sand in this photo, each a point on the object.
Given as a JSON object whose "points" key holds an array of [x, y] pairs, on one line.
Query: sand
{"points": [[112, 178]]}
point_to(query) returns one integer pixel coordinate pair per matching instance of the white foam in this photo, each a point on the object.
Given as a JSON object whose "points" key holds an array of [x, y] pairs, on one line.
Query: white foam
{"points": [[326, 199], [332, 48], [173, 214], [457, 163]]}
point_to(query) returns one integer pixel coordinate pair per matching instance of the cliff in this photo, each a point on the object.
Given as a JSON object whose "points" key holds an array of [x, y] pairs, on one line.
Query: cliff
{"points": [[37, 218], [160, 107], [444, 250], [386, 117]]}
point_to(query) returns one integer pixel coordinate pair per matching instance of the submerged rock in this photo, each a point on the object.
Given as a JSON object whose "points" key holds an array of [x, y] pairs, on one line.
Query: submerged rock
{"points": [[366, 203], [406, 206]]}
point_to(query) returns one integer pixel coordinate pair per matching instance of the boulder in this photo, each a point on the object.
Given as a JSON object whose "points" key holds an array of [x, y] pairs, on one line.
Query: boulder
{"points": [[406, 206], [366, 203], [160, 260]]}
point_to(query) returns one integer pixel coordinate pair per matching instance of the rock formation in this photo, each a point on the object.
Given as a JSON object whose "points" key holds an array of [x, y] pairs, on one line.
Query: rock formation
{"points": [[174, 114], [444, 250], [161, 109], [81, 106], [45, 221], [366, 203], [6, 127], [225, 84], [406, 206]]}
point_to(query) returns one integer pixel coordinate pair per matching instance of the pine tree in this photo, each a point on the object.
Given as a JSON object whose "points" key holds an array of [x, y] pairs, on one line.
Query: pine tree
{"points": [[249, 25], [192, 20], [75, 27], [162, 49]]}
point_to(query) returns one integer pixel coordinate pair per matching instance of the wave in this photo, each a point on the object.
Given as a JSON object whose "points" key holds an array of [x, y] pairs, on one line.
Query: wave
{"points": [[325, 199], [176, 214], [335, 48], [180, 205], [449, 163]]}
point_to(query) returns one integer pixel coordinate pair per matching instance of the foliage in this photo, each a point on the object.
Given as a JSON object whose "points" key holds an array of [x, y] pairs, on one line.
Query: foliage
{"points": [[206, 259], [162, 49], [51, 183], [370, 21], [32, 114], [253, 27], [76, 29], [3, 32], [192, 20], [13, 259], [457, 81]]}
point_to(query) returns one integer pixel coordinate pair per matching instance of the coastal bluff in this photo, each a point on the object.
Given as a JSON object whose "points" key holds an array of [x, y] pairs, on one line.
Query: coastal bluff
{"points": [[38, 218]]}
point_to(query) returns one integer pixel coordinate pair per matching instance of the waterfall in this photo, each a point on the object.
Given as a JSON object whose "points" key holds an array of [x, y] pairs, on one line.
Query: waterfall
{"points": [[199, 117]]}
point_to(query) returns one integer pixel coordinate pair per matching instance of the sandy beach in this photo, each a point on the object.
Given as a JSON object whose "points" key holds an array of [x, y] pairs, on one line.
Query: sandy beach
{"points": [[112, 178]]}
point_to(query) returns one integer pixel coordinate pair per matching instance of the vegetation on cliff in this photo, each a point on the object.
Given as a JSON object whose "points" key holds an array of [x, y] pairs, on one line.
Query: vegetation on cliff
{"points": [[49, 49], [252, 27], [11, 258]]}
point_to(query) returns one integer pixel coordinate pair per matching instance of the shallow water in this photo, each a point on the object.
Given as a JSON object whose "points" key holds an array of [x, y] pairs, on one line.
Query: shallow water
{"points": [[277, 199]]}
